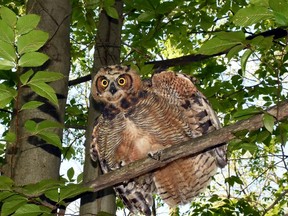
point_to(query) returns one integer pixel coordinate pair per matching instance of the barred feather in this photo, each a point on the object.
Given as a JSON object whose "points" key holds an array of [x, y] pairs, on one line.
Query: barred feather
{"points": [[144, 117]]}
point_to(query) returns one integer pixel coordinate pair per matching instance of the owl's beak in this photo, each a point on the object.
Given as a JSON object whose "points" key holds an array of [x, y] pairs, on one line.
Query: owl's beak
{"points": [[112, 88]]}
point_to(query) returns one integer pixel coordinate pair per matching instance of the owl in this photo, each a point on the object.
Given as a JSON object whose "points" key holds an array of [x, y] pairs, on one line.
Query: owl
{"points": [[143, 117]]}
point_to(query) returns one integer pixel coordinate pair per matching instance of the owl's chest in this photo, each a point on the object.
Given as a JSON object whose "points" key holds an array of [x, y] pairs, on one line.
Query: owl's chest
{"points": [[146, 127], [136, 142]]}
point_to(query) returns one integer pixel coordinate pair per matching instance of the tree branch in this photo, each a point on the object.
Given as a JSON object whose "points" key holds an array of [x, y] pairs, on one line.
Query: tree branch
{"points": [[79, 80], [189, 148], [275, 202], [183, 60]]}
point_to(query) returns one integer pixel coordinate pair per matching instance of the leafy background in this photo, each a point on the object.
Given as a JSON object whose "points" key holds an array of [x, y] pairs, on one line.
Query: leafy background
{"points": [[237, 50]]}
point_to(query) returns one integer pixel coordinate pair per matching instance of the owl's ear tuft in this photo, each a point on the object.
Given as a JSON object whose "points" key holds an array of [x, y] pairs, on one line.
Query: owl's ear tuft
{"points": [[136, 80]]}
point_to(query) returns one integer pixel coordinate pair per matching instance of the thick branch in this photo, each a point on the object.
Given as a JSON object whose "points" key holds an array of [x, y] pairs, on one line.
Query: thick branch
{"points": [[79, 80], [189, 148], [183, 60], [276, 33]]}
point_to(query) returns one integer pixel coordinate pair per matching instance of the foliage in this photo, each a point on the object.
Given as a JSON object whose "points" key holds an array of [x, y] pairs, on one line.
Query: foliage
{"points": [[29, 200], [249, 76], [20, 42]]}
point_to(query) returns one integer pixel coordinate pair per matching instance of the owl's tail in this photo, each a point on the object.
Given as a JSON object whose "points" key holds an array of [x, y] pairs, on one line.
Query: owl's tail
{"points": [[221, 155], [137, 194]]}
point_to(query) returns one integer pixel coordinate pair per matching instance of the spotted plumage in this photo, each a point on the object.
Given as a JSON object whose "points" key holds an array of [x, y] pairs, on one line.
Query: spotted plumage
{"points": [[141, 117]]}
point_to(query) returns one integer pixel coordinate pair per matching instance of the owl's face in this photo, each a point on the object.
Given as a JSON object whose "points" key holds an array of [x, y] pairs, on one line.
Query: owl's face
{"points": [[114, 83]]}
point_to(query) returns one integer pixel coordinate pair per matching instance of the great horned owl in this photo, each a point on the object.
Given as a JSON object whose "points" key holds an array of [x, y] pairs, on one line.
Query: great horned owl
{"points": [[143, 117]]}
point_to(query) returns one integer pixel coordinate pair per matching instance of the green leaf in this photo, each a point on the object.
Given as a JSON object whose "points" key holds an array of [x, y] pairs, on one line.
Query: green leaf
{"points": [[251, 15], [27, 23], [41, 187], [41, 127], [247, 113], [72, 190], [146, 69], [280, 11], [232, 52], [268, 121], [251, 147], [45, 76], [33, 59], [166, 7], [262, 42], [68, 152], [5, 183], [146, 16], [80, 178], [32, 210], [51, 138], [45, 91], [7, 51], [6, 33], [109, 2], [279, 6], [237, 36], [216, 45], [31, 105], [233, 179], [244, 59], [9, 207], [8, 16], [281, 19], [5, 195], [7, 94], [263, 135], [32, 41], [31, 126], [52, 194], [112, 12], [10, 137], [40, 130], [6, 65], [48, 124], [70, 173], [25, 77], [263, 3]]}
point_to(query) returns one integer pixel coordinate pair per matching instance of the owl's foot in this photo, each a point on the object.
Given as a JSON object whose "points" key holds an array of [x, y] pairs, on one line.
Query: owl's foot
{"points": [[155, 155], [93, 153]]}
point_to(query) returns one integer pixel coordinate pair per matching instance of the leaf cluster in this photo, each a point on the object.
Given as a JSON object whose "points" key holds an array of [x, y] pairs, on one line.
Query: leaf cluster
{"points": [[20, 42], [41, 198]]}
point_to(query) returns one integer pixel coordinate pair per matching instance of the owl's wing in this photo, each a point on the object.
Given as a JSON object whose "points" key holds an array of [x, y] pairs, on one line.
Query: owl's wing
{"points": [[179, 90], [136, 193]]}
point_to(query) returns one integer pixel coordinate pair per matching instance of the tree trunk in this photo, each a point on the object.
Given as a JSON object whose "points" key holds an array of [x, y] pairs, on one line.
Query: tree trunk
{"points": [[107, 52], [31, 160]]}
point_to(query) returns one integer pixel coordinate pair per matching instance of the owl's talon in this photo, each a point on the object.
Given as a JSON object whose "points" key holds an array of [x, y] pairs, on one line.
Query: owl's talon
{"points": [[121, 164], [155, 155], [93, 154]]}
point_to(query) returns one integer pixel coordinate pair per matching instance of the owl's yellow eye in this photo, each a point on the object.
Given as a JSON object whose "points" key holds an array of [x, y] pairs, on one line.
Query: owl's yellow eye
{"points": [[104, 83], [121, 81]]}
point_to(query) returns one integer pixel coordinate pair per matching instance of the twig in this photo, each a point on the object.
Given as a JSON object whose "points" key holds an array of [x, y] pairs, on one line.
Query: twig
{"points": [[280, 197]]}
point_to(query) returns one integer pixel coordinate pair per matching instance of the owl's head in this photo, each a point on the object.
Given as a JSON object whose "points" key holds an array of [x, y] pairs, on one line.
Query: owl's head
{"points": [[115, 83]]}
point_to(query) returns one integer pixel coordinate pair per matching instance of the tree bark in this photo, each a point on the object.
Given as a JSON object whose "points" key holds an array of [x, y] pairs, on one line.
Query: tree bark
{"points": [[30, 159], [107, 52]]}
